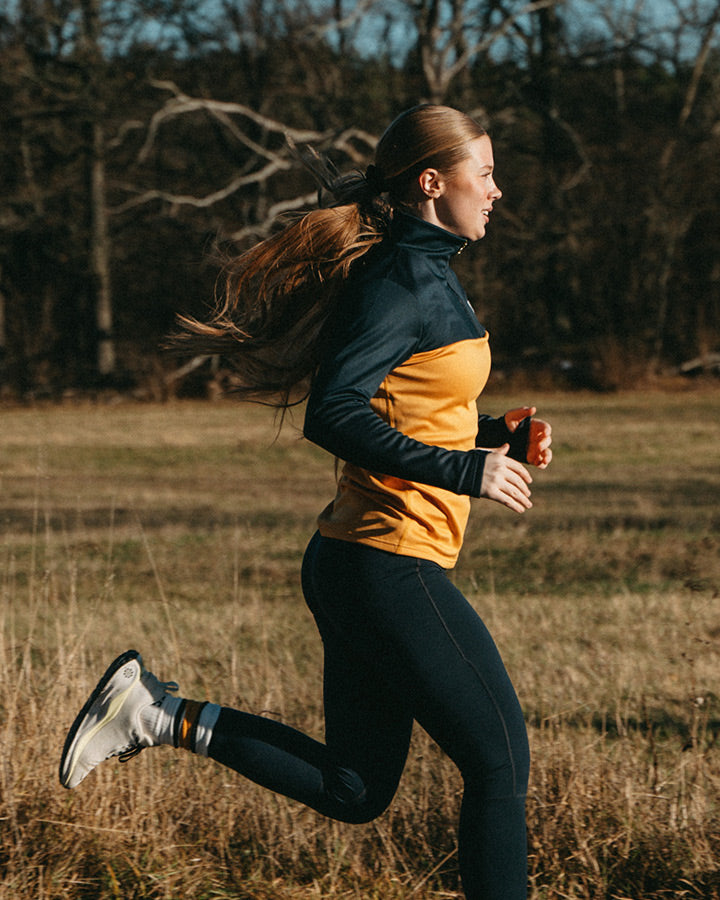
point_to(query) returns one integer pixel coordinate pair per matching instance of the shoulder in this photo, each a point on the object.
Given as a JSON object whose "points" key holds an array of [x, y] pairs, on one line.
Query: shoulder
{"points": [[383, 289], [404, 267]]}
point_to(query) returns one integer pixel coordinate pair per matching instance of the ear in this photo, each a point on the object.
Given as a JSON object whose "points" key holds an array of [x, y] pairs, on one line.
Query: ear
{"points": [[431, 183]]}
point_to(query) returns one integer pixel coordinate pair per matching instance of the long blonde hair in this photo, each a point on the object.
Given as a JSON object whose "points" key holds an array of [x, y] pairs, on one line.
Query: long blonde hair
{"points": [[277, 300]]}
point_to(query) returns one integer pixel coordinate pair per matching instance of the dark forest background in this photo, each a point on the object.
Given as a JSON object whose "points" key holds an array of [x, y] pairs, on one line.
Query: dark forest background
{"points": [[138, 135]]}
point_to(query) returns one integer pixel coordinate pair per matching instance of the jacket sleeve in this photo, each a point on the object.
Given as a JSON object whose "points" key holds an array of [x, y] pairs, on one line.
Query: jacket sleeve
{"points": [[381, 329], [494, 433]]}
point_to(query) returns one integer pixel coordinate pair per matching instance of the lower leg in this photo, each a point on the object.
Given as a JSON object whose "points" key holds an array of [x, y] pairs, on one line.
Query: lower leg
{"points": [[289, 762], [492, 847], [354, 774]]}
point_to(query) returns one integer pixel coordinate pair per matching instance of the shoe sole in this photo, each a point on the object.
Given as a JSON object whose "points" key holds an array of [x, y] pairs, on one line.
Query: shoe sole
{"points": [[74, 752]]}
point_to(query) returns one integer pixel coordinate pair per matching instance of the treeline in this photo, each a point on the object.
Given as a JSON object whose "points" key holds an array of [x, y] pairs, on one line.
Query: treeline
{"points": [[138, 139]]}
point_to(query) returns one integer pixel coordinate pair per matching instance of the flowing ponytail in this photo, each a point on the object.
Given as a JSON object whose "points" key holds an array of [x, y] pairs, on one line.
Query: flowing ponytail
{"points": [[278, 298], [268, 322]]}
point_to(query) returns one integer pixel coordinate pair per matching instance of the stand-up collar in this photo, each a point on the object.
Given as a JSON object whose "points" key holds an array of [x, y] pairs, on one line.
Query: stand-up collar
{"points": [[417, 234]]}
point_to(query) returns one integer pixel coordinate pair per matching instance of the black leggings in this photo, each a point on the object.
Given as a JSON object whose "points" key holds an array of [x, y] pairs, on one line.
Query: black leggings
{"points": [[401, 644]]}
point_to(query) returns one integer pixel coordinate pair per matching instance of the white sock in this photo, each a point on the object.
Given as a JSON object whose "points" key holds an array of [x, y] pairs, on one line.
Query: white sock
{"points": [[158, 719], [204, 730]]}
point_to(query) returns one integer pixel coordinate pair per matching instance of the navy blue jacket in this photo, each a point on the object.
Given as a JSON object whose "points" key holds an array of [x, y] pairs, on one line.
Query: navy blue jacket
{"points": [[401, 300]]}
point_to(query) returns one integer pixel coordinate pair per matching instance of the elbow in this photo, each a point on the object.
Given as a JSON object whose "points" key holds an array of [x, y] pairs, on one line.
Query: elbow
{"points": [[335, 425], [315, 428]]}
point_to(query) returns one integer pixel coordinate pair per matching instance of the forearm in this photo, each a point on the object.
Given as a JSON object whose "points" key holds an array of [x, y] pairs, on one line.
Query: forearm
{"points": [[351, 430]]}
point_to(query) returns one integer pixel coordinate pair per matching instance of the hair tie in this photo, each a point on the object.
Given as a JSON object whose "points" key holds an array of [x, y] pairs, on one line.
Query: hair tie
{"points": [[375, 180]]}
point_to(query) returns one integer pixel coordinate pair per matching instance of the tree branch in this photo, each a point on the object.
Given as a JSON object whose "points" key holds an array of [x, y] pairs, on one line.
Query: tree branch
{"points": [[262, 229], [209, 199], [181, 104]]}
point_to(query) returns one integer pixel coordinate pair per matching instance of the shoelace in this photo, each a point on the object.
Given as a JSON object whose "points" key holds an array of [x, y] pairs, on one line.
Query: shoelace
{"points": [[128, 754]]}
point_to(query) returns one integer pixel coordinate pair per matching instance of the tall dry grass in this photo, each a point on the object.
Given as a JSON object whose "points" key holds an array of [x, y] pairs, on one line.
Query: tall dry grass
{"points": [[179, 530]]}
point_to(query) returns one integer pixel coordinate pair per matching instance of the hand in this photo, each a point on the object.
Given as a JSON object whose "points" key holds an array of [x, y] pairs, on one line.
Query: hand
{"points": [[538, 453], [506, 481]]}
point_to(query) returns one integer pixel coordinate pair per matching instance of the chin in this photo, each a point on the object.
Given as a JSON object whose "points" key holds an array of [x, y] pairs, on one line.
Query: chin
{"points": [[480, 231]]}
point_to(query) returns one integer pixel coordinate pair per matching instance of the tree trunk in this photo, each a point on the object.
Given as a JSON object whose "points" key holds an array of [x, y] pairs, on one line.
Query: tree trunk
{"points": [[100, 250], [3, 332]]}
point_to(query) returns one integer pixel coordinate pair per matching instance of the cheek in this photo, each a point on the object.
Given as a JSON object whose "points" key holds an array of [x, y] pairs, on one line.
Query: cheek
{"points": [[467, 199], [474, 202], [483, 192]]}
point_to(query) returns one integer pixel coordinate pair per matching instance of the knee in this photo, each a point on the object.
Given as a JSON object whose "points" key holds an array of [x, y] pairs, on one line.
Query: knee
{"points": [[353, 801], [503, 783], [515, 773], [517, 766], [503, 774]]}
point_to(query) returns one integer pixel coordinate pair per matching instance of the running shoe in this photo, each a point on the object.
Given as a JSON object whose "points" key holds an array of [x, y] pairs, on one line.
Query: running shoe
{"points": [[109, 723]]}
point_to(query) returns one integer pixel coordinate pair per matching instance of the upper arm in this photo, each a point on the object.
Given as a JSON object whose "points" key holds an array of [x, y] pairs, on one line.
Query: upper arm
{"points": [[377, 328]]}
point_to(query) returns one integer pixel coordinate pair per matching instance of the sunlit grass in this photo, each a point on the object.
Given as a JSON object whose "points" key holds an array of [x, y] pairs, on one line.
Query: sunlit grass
{"points": [[179, 530]]}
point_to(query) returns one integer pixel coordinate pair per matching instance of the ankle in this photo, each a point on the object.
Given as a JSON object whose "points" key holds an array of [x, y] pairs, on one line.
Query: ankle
{"points": [[158, 719], [194, 724]]}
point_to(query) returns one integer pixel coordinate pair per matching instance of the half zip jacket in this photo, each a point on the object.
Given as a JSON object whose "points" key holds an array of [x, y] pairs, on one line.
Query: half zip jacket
{"points": [[395, 398]]}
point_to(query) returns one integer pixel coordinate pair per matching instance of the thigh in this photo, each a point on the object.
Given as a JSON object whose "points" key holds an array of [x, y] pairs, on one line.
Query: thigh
{"points": [[425, 644], [368, 722], [458, 686]]}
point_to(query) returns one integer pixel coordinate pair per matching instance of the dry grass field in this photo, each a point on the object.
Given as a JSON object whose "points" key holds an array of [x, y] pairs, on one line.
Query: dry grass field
{"points": [[179, 529]]}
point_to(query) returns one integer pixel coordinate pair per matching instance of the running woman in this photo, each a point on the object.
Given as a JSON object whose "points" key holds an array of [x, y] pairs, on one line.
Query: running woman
{"points": [[359, 300]]}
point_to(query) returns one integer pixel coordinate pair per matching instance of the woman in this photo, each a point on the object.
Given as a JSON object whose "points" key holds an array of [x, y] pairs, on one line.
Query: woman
{"points": [[361, 299]]}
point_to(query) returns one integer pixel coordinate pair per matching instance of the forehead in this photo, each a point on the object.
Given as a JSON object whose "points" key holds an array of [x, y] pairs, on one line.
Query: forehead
{"points": [[481, 152]]}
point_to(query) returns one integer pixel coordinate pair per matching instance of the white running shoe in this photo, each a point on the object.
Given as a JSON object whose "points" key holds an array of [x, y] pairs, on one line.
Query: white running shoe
{"points": [[109, 723]]}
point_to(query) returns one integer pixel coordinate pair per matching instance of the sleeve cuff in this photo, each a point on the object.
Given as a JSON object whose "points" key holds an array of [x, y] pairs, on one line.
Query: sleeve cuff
{"points": [[493, 432]]}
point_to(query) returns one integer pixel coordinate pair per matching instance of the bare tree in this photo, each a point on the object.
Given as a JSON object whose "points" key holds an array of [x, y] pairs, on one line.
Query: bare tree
{"points": [[89, 57], [55, 70], [454, 34], [113, 161], [273, 157], [669, 221]]}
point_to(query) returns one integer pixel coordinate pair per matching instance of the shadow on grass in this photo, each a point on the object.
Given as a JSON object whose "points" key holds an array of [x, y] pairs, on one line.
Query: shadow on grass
{"points": [[659, 723], [205, 518], [649, 873]]}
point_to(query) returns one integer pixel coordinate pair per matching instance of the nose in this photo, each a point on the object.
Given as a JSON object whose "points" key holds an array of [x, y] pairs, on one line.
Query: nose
{"points": [[495, 191]]}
